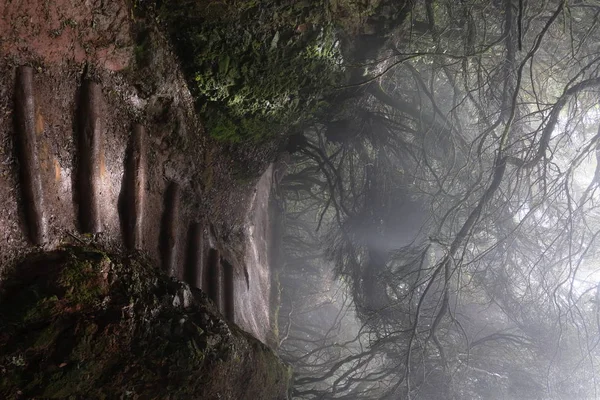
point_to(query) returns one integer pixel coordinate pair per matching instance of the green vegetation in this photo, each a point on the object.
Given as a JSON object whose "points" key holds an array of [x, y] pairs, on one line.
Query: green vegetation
{"points": [[78, 323], [256, 68]]}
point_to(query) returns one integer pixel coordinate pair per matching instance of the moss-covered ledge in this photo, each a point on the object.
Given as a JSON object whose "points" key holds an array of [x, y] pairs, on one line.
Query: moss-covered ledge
{"points": [[78, 323]]}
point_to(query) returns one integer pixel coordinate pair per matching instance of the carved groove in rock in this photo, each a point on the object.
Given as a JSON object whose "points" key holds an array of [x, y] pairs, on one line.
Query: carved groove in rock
{"points": [[215, 278], [91, 158], [168, 241], [135, 188], [194, 266]]}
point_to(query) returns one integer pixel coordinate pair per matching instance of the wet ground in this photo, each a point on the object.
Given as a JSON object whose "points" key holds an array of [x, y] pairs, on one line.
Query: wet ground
{"points": [[101, 146]]}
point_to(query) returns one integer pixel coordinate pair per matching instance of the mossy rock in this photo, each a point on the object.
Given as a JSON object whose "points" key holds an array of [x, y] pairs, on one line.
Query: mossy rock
{"points": [[78, 323], [255, 68]]}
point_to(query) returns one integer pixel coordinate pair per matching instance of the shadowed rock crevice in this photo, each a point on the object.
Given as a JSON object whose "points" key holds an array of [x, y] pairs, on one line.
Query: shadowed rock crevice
{"points": [[214, 278], [133, 190], [195, 257], [168, 234], [91, 157], [228, 291]]}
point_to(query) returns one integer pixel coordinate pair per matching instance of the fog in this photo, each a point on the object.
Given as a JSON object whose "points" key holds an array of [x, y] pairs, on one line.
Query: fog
{"points": [[441, 226]]}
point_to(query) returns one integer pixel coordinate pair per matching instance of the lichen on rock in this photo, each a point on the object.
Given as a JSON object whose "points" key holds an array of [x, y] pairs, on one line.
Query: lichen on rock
{"points": [[79, 323]]}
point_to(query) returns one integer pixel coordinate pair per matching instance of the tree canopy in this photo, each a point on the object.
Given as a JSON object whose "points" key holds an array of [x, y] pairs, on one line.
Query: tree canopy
{"points": [[451, 191]]}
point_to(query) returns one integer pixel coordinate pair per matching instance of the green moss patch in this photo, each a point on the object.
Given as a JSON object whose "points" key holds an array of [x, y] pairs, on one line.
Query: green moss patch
{"points": [[78, 323], [255, 67]]}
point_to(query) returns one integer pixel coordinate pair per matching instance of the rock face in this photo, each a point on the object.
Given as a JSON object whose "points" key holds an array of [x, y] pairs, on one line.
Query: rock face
{"points": [[101, 147], [78, 323], [253, 293]]}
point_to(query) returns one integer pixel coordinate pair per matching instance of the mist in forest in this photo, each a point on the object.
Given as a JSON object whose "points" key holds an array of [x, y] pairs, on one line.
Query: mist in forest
{"points": [[441, 222]]}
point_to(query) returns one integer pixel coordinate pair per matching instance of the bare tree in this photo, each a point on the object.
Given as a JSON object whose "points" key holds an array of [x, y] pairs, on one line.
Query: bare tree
{"points": [[455, 192]]}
